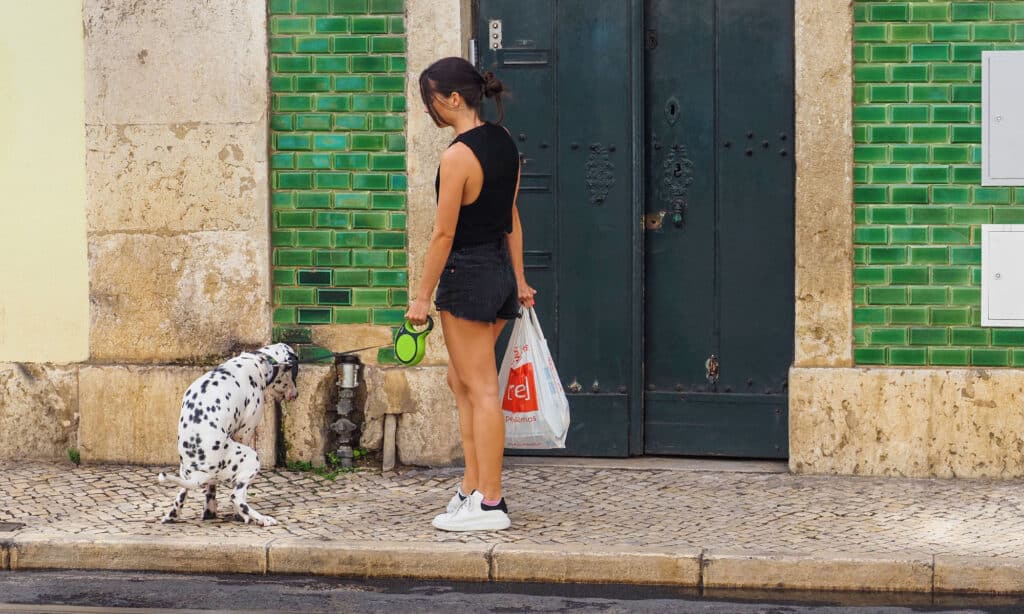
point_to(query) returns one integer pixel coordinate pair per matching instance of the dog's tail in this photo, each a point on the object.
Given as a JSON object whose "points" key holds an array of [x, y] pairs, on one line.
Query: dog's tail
{"points": [[163, 478]]}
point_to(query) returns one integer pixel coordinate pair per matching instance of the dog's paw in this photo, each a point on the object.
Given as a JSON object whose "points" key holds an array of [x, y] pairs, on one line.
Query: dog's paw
{"points": [[208, 515], [167, 520], [265, 521]]}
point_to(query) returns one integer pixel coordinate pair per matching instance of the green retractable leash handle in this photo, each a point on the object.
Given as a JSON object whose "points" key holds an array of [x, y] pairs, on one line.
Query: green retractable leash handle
{"points": [[411, 344]]}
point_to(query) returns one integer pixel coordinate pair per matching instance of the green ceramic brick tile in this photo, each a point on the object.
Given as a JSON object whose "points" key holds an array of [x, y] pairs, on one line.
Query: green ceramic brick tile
{"points": [[1004, 215], [920, 11], [889, 134], [965, 255], [865, 235], [860, 215], [331, 25], [282, 238], [352, 238], [390, 278], [291, 25], [951, 275], [950, 195], [295, 64], [860, 94], [860, 134], [282, 84], [969, 52], [388, 162], [1002, 32], [860, 255], [388, 201], [870, 114], [398, 258], [314, 278], [908, 315], [282, 44], [869, 356], [331, 64], [397, 221], [888, 93], [867, 154], [367, 142], [908, 356], [396, 64], [369, 220], [888, 336], [889, 215], [333, 181], [909, 74], [929, 255], [333, 103], [971, 11], [952, 235], [929, 296], [387, 240], [935, 52], [908, 33], [988, 357], [333, 257], [347, 315], [386, 6], [350, 83], [867, 33], [399, 298], [312, 7], [992, 196], [889, 53], [313, 161], [870, 73], [284, 102], [370, 63], [314, 238], [283, 277], [282, 200], [929, 336], [294, 181], [929, 174], [929, 134], [909, 195], [1017, 358], [887, 296], [887, 255], [368, 258], [950, 316], [869, 315], [972, 215], [909, 154], [396, 25], [909, 113], [388, 317], [1008, 337], [295, 296], [351, 277], [948, 356], [950, 154], [1018, 196], [313, 121], [929, 215], [295, 219], [397, 182], [284, 315], [330, 142], [387, 44], [349, 6], [860, 12], [386, 356], [865, 194], [959, 113], [967, 134], [860, 174], [313, 315], [351, 161], [870, 275], [351, 201], [889, 12], [860, 296], [366, 102], [313, 44], [369, 25], [367, 181], [350, 122], [351, 44], [313, 200], [967, 174], [334, 219], [909, 234], [909, 275], [384, 123], [369, 297], [1008, 11], [967, 296], [969, 336], [280, 7], [281, 121], [334, 296], [952, 72]]}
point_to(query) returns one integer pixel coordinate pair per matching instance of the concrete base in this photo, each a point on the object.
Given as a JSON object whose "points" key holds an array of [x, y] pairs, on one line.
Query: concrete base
{"points": [[38, 411]]}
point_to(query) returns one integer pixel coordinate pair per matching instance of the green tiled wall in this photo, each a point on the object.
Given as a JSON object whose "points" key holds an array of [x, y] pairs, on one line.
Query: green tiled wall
{"points": [[338, 162], [919, 204]]}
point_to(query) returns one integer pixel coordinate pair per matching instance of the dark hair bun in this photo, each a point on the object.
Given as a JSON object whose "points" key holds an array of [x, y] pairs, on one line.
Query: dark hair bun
{"points": [[492, 85]]}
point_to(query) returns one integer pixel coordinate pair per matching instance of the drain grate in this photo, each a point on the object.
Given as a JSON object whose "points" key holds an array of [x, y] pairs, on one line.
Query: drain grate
{"points": [[6, 527]]}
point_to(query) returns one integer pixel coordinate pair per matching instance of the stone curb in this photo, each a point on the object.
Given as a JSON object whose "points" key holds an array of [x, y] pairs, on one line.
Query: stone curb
{"points": [[686, 566]]}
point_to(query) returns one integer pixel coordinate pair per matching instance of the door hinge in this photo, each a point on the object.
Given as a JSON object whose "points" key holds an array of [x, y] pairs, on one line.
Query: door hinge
{"points": [[494, 34]]}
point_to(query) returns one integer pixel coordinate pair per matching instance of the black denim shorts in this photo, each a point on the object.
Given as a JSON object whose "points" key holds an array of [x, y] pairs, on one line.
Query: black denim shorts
{"points": [[478, 284]]}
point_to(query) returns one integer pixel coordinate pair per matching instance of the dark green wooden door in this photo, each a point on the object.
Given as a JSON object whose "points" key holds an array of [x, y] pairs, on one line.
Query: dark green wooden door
{"points": [[657, 195]]}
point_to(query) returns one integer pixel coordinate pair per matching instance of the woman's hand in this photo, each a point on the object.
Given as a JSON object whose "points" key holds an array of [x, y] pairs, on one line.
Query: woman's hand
{"points": [[525, 293], [417, 313]]}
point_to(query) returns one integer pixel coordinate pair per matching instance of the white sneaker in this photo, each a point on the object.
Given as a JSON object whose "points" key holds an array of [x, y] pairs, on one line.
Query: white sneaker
{"points": [[455, 502], [471, 516]]}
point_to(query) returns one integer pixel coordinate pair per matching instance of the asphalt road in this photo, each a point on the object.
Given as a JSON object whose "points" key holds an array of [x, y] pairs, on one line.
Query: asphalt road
{"points": [[82, 592]]}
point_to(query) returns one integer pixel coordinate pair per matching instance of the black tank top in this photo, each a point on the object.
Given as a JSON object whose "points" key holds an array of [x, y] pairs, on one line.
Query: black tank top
{"points": [[489, 218]]}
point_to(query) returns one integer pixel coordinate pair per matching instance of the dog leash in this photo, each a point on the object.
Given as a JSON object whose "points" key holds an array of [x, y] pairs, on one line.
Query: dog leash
{"points": [[369, 347]]}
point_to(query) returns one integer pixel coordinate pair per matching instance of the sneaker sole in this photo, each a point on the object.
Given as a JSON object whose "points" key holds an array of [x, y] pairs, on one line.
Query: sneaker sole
{"points": [[477, 525]]}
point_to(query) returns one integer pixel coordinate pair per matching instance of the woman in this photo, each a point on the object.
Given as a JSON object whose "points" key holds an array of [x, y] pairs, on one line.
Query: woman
{"points": [[475, 259]]}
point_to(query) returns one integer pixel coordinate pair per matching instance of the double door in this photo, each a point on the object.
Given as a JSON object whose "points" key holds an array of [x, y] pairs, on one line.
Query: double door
{"points": [[657, 203]]}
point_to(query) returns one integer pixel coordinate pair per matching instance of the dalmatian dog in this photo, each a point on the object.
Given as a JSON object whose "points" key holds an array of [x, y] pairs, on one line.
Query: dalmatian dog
{"points": [[219, 415]]}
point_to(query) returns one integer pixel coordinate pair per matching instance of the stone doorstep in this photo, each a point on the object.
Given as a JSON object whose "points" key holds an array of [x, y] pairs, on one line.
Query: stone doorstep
{"points": [[569, 563]]}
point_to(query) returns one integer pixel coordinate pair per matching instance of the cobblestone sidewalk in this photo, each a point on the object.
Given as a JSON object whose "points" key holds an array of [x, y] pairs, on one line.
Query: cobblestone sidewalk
{"points": [[553, 504]]}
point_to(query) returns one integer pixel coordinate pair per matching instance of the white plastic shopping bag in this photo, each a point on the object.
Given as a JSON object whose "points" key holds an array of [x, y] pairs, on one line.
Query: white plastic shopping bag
{"points": [[532, 399]]}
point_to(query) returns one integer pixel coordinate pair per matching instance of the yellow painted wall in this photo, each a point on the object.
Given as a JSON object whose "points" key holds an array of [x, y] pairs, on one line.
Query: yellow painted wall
{"points": [[44, 275]]}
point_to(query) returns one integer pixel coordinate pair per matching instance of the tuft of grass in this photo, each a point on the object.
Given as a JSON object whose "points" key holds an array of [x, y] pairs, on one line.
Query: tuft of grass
{"points": [[74, 456]]}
